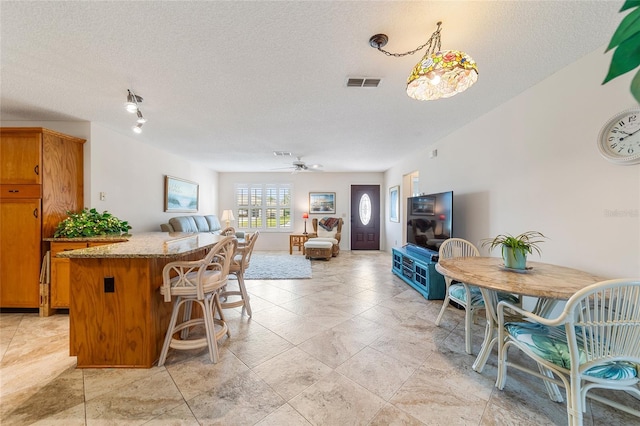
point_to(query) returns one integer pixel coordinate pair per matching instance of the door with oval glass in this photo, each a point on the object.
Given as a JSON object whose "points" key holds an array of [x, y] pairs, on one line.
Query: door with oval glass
{"points": [[365, 217]]}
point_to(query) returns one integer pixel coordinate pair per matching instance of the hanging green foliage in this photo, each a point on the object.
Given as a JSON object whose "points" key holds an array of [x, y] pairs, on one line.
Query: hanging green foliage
{"points": [[626, 40]]}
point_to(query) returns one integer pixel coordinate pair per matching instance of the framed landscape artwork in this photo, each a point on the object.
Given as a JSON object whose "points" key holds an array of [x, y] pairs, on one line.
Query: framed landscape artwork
{"points": [[423, 205], [394, 205], [180, 195], [322, 202]]}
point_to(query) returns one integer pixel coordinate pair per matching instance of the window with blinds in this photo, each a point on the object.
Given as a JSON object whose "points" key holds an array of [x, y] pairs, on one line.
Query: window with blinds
{"points": [[263, 207]]}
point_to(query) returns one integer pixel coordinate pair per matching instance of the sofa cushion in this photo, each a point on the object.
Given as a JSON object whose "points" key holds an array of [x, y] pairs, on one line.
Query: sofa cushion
{"points": [[201, 223], [213, 222], [183, 224]]}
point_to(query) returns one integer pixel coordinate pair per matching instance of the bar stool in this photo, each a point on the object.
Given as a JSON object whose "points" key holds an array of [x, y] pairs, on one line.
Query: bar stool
{"points": [[240, 263], [197, 281]]}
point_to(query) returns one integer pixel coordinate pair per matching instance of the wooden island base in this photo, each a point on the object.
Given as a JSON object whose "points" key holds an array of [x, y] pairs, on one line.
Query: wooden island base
{"points": [[117, 316]]}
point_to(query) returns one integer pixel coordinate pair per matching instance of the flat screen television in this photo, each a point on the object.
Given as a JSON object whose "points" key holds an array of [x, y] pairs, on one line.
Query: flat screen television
{"points": [[429, 219]]}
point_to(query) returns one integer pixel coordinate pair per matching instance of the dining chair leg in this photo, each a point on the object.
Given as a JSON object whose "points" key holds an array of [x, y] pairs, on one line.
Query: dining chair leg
{"points": [[244, 294], [445, 303], [210, 331], [468, 322], [217, 306], [186, 316], [169, 335]]}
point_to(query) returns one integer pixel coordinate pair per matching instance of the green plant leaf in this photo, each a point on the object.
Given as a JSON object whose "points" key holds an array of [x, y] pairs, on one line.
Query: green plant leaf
{"points": [[635, 87], [630, 4], [625, 58], [629, 26]]}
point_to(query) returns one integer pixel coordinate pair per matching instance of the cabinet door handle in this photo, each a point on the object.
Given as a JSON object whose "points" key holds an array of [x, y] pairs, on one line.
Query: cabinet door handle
{"points": [[35, 212], [14, 190], [36, 169]]}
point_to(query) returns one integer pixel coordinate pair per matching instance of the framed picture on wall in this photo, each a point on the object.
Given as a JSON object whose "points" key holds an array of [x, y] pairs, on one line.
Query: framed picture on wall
{"points": [[180, 195], [322, 202], [394, 204], [423, 205]]}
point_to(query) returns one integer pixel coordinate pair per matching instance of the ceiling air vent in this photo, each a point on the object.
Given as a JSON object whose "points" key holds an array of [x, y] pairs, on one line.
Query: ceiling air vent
{"points": [[363, 82]]}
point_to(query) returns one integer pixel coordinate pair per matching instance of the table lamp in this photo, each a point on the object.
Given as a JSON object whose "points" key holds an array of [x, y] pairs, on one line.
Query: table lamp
{"points": [[305, 216], [227, 216]]}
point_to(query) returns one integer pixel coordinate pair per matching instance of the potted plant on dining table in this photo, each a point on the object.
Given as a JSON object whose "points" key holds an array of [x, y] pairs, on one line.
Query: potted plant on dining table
{"points": [[515, 249]]}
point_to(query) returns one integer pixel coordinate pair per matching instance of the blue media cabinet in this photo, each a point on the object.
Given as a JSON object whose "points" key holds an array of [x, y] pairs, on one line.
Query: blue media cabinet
{"points": [[417, 267]]}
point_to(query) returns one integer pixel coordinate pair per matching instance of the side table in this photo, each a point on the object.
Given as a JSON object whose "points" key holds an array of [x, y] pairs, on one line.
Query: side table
{"points": [[297, 240]]}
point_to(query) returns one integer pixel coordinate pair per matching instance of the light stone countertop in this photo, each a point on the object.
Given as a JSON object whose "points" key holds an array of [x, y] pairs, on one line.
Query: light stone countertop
{"points": [[146, 245], [96, 239]]}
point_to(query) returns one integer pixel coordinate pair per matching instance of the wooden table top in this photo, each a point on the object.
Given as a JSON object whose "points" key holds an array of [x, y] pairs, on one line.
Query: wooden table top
{"points": [[542, 280]]}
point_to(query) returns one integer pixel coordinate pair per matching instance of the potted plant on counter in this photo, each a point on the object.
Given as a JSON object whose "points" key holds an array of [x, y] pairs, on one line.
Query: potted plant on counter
{"points": [[90, 223], [515, 249]]}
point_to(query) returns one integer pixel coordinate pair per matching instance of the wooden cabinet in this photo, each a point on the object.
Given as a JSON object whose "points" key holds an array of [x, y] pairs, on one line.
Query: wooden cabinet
{"points": [[41, 178], [60, 271], [418, 269]]}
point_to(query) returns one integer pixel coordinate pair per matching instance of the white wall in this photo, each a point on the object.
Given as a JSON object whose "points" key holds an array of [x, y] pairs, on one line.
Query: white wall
{"points": [[533, 164], [131, 173], [303, 183]]}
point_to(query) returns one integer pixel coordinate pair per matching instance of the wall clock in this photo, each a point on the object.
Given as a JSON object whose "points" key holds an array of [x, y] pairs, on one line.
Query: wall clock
{"points": [[619, 138]]}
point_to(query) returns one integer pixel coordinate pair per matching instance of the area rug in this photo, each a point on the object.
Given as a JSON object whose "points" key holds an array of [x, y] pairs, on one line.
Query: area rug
{"points": [[266, 266]]}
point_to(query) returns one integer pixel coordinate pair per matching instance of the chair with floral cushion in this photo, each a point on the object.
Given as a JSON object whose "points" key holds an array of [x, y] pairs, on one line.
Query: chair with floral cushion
{"points": [[467, 296], [594, 343], [328, 229]]}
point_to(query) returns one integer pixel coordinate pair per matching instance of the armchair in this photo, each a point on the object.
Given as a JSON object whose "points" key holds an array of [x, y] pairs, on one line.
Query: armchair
{"points": [[328, 229]]}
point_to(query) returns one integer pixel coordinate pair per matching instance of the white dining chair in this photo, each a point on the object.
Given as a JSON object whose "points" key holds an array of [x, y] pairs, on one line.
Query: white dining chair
{"points": [[466, 296], [594, 343]]}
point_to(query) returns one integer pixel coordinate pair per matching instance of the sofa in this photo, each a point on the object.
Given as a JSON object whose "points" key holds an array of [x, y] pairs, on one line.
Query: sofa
{"points": [[195, 223]]}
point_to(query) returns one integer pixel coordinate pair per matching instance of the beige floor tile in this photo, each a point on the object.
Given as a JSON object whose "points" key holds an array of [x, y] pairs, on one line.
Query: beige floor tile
{"points": [[292, 372], [332, 347], [377, 372], [392, 416], [336, 400], [242, 400], [284, 415], [136, 403]]}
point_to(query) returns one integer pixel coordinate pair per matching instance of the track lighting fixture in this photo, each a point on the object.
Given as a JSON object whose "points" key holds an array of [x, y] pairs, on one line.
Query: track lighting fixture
{"points": [[132, 102], [133, 107]]}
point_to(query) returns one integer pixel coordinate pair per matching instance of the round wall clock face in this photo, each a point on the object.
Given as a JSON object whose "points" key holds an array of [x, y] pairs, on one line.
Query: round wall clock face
{"points": [[619, 139]]}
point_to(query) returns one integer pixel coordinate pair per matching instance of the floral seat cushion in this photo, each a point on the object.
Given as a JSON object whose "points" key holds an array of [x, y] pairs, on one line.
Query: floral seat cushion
{"points": [[457, 291], [550, 343]]}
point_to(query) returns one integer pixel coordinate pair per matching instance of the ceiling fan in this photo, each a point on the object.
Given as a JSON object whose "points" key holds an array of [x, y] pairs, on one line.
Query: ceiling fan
{"points": [[300, 166]]}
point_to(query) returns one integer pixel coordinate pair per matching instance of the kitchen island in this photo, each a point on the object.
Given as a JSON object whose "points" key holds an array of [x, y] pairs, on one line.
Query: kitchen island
{"points": [[117, 317]]}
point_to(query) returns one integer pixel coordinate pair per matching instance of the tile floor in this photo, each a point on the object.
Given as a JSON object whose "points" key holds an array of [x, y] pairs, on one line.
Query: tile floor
{"points": [[354, 345]]}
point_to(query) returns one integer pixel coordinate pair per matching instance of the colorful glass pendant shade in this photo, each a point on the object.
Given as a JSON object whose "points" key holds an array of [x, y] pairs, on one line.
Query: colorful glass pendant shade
{"points": [[441, 75]]}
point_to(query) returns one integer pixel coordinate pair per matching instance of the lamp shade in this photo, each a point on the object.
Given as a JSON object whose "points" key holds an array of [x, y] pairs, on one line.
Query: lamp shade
{"points": [[227, 215], [305, 215], [442, 75]]}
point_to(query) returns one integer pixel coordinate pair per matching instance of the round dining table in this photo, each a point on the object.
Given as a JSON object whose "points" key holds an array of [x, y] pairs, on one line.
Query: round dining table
{"points": [[548, 283]]}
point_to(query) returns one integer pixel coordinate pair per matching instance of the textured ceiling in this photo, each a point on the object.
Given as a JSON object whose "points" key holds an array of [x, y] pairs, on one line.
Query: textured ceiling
{"points": [[227, 83]]}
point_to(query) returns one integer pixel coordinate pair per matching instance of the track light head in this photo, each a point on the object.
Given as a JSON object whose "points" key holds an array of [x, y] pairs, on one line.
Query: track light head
{"points": [[141, 119], [132, 102], [137, 128]]}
